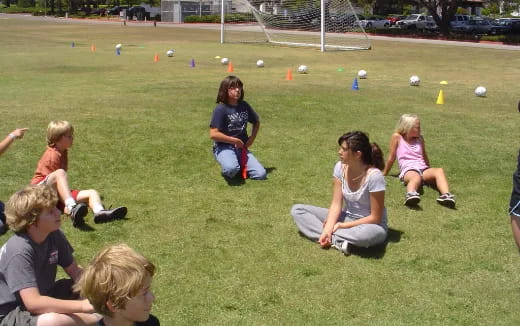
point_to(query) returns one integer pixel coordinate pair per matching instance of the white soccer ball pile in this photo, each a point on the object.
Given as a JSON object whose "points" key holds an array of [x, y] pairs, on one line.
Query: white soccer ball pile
{"points": [[480, 91], [224, 61], [170, 53], [260, 63], [119, 46], [302, 69], [415, 81], [362, 74]]}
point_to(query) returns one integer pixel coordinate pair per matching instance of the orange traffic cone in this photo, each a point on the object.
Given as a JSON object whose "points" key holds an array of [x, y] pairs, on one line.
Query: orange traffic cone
{"points": [[93, 48], [156, 58], [230, 67], [289, 75]]}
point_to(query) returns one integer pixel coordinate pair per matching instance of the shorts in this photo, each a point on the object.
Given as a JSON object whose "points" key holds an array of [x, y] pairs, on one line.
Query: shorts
{"points": [[401, 175], [18, 316]]}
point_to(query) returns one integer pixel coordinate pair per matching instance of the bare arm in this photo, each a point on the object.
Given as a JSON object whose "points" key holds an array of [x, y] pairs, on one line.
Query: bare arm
{"points": [[425, 156], [394, 142], [377, 203], [9, 139], [40, 304], [219, 136], [74, 271], [333, 215], [254, 132]]}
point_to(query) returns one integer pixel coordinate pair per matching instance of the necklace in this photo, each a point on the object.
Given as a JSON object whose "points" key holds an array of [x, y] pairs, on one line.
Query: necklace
{"points": [[361, 175]]}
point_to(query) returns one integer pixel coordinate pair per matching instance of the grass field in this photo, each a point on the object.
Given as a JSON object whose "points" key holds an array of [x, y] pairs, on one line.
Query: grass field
{"points": [[232, 255]]}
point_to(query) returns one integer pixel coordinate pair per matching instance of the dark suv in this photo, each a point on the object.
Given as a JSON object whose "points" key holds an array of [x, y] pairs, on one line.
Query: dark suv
{"points": [[116, 10]]}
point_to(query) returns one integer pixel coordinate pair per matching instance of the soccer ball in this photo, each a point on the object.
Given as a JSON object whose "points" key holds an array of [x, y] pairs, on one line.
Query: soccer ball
{"points": [[480, 91], [302, 69], [170, 53], [260, 63], [362, 74], [414, 80], [224, 61], [118, 46]]}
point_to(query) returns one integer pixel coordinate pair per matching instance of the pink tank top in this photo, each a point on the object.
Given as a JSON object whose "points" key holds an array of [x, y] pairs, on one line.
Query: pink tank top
{"points": [[410, 156]]}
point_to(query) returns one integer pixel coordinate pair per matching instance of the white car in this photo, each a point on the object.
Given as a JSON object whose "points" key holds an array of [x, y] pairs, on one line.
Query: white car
{"points": [[375, 22]]}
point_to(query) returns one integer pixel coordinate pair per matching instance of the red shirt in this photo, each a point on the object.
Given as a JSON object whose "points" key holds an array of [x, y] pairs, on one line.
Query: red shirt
{"points": [[51, 160]]}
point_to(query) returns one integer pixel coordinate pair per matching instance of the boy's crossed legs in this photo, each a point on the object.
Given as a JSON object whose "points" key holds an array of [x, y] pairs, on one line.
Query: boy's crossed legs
{"points": [[58, 179]]}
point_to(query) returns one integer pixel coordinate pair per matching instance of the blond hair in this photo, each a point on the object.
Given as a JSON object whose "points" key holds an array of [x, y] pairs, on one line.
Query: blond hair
{"points": [[116, 274], [25, 206], [57, 129], [406, 123]]}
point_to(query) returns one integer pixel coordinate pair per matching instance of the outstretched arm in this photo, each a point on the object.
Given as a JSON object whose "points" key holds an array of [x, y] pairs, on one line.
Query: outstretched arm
{"points": [[219, 136], [254, 132], [425, 156], [17, 133], [394, 142]]}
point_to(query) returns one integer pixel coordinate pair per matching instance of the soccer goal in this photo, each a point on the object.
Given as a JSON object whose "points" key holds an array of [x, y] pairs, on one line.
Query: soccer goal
{"points": [[329, 24]]}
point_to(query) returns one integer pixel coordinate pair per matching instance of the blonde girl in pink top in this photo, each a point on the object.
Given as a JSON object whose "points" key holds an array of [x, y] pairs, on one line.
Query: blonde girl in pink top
{"points": [[407, 145]]}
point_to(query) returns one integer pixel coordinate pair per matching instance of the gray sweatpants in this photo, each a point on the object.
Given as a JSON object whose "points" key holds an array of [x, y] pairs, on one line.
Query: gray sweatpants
{"points": [[309, 220]]}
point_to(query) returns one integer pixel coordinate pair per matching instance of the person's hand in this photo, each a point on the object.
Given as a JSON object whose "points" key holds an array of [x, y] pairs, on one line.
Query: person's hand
{"points": [[249, 142], [338, 226], [86, 306], [325, 239], [238, 143], [18, 133]]}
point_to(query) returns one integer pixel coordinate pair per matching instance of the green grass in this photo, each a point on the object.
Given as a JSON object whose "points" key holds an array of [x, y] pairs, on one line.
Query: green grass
{"points": [[232, 255]]}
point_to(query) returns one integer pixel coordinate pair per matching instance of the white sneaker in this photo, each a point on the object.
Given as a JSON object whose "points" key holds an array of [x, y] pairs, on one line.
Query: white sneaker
{"points": [[344, 247]]}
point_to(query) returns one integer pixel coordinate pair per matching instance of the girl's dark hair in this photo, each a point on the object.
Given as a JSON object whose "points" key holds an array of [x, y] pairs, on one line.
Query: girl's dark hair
{"points": [[227, 83], [371, 153]]}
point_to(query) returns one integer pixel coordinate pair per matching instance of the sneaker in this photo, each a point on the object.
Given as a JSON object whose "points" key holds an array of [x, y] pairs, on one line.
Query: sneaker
{"points": [[108, 215], [412, 198], [78, 213], [447, 200], [344, 247]]}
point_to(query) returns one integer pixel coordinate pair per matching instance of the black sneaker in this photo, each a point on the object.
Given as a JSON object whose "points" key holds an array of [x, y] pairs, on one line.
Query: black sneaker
{"points": [[412, 198], [78, 213], [110, 215], [447, 200]]}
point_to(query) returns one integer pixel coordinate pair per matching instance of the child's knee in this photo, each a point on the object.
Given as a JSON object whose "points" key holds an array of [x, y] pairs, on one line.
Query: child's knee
{"points": [[230, 170], [258, 174]]}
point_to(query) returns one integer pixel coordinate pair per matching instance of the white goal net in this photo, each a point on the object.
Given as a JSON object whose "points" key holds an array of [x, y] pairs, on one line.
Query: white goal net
{"points": [[294, 22]]}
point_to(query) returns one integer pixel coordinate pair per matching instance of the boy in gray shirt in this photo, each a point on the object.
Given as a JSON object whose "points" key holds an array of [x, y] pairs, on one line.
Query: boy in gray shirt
{"points": [[29, 294]]}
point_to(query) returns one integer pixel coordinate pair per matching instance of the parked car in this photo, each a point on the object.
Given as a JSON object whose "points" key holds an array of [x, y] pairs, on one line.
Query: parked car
{"points": [[99, 11], [375, 22], [394, 19], [512, 24], [481, 26], [116, 10], [417, 21], [459, 21]]}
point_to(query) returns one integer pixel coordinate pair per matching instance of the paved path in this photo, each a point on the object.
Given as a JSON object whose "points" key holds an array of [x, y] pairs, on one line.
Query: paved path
{"points": [[489, 45]]}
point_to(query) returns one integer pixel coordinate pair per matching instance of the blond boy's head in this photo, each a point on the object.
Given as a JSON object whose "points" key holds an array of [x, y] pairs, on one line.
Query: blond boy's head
{"points": [[25, 206], [57, 129], [113, 277]]}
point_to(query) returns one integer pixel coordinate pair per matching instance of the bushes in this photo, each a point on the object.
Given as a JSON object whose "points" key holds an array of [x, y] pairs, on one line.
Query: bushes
{"points": [[235, 18]]}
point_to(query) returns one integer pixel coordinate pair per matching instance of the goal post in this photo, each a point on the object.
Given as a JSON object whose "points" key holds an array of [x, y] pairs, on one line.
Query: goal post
{"points": [[327, 24]]}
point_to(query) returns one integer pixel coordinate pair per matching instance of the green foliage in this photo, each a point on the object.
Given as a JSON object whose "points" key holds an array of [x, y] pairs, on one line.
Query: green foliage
{"points": [[231, 255], [236, 18]]}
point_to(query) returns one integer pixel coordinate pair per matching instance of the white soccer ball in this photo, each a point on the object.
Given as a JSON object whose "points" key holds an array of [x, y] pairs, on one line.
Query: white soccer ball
{"points": [[415, 81], [362, 74], [170, 53], [119, 46], [302, 69], [224, 61], [260, 63], [480, 91]]}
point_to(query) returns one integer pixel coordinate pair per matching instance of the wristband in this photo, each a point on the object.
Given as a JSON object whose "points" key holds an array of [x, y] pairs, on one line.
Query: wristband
{"points": [[13, 137]]}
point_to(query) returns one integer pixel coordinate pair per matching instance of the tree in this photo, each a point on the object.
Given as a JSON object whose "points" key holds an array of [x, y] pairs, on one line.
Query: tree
{"points": [[442, 12]]}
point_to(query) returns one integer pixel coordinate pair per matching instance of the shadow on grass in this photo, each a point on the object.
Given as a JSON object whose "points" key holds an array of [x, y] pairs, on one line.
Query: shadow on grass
{"points": [[85, 228], [378, 251]]}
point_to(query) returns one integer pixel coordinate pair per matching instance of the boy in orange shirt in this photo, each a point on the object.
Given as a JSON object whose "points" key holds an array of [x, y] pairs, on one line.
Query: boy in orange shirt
{"points": [[52, 170]]}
